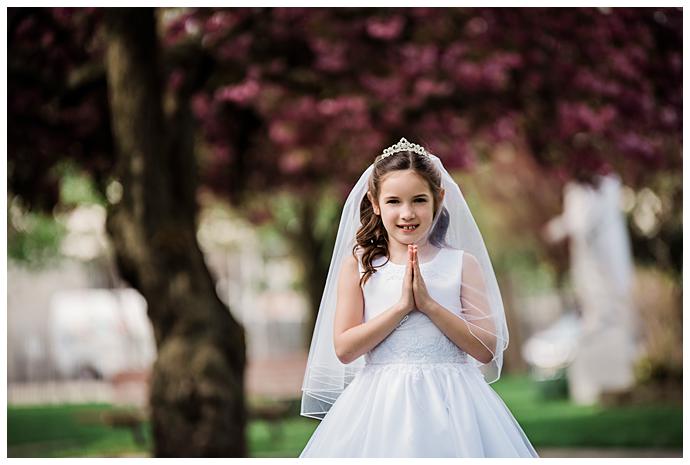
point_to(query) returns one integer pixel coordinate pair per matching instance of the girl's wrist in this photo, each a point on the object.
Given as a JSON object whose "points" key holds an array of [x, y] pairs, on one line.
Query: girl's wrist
{"points": [[429, 307], [400, 309]]}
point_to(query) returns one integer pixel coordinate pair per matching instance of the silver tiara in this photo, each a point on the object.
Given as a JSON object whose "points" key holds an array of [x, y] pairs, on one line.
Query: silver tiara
{"points": [[402, 146]]}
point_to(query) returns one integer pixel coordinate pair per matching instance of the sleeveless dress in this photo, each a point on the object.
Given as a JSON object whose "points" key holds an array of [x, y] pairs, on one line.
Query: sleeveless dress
{"points": [[418, 394]]}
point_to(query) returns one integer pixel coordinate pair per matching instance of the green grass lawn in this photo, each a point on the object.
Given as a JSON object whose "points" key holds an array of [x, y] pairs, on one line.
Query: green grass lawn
{"points": [[76, 431], [559, 423], [66, 431]]}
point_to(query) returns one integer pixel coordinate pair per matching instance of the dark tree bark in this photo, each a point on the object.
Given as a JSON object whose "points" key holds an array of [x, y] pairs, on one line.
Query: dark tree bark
{"points": [[310, 249], [197, 395], [313, 249]]}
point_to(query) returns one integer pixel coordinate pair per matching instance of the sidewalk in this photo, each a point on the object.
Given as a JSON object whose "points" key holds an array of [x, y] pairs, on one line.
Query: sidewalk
{"points": [[277, 377]]}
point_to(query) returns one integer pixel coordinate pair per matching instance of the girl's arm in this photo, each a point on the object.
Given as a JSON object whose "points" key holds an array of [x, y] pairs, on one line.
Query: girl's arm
{"points": [[474, 332], [351, 337]]}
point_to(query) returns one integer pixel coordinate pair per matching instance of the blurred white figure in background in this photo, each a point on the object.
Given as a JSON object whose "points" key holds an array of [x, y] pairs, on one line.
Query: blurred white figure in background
{"points": [[601, 273], [553, 349]]}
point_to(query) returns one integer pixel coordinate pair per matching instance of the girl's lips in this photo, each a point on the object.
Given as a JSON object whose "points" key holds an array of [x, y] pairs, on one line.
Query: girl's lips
{"points": [[408, 230]]}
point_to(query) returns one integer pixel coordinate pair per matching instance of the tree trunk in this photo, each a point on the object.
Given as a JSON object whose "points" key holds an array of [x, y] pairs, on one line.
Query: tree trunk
{"points": [[513, 362], [313, 249], [197, 395]]}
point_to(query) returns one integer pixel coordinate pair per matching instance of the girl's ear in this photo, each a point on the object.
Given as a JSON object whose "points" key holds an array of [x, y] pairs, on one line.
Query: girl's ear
{"points": [[373, 203], [441, 194]]}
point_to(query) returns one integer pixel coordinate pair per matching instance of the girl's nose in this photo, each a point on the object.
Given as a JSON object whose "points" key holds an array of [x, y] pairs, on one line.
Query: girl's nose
{"points": [[407, 214]]}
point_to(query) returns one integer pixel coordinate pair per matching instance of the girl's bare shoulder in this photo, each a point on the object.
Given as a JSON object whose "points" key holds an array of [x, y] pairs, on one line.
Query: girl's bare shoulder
{"points": [[350, 265], [470, 261]]}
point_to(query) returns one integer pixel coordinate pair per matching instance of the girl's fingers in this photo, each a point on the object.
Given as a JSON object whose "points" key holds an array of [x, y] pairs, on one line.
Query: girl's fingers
{"points": [[416, 261], [409, 269]]}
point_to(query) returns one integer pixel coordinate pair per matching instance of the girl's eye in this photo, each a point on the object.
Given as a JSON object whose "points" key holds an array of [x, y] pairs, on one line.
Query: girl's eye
{"points": [[416, 200]]}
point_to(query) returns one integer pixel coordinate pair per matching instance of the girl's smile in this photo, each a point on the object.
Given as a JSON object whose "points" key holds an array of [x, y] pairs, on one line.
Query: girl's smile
{"points": [[408, 228]]}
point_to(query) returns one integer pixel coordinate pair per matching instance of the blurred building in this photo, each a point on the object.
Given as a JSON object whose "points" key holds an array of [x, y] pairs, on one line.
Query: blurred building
{"points": [[75, 327]]}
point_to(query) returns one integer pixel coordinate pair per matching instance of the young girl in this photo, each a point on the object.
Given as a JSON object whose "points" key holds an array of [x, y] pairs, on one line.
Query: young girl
{"points": [[411, 325]]}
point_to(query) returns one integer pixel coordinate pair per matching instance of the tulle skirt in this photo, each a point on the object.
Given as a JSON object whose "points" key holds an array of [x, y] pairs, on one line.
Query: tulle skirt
{"points": [[419, 410]]}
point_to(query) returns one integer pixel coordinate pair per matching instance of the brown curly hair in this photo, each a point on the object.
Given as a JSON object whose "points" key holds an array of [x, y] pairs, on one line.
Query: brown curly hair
{"points": [[372, 238]]}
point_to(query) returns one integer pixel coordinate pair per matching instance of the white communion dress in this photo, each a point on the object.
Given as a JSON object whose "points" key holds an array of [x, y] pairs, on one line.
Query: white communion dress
{"points": [[418, 394]]}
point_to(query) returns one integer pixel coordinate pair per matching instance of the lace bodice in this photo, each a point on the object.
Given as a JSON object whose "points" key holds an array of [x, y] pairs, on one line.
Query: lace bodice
{"points": [[417, 340]]}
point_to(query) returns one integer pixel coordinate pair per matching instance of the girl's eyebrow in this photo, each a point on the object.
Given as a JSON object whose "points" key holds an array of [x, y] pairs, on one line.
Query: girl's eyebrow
{"points": [[395, 196]]}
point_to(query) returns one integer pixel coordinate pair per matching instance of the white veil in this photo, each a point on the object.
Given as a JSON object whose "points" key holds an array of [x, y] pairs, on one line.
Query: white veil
{"points": [[326, 376]]}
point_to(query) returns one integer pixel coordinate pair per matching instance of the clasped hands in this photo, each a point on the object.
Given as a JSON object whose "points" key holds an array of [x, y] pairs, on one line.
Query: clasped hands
{"points": [[415, 295]]}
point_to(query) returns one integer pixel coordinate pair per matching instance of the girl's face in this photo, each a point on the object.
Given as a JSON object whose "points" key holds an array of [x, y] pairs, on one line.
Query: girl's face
{"points": [[405, 199]]}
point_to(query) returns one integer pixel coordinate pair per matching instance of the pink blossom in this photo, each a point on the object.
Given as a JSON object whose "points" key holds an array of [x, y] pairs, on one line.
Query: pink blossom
{"points": [[468, 75], [477, 26], [495, 75], [201, 105], [217, 26], [505, 128], [392, 116], [47, 38], [333, 106], [218, 22], [384, 87], [635, 143], [282, 133], [668, 116], [176, 79], [330, 56], [454, 53], [242, 93], [385, 29], [419, 58], [425, 87], [221, 154], [236, 49], [622, 65], [293, 161], [25, 28]]}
